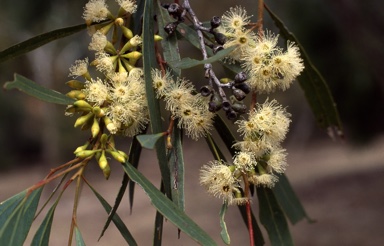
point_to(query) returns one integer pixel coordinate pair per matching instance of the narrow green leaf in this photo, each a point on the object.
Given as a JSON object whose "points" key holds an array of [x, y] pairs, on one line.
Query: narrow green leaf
{"points": [[159, 224], [215, 150], [315, 87], [118, 199], [78, 237], [288, 200], [176, 166], [224, 232], [273, 218], [31, 88], [15, 226], [41, 237], [149, 58], [134, 157], [169, 42], [149, 140], [189, 62], [9, 205], [116, 218], [168, 209], [38, 41]]}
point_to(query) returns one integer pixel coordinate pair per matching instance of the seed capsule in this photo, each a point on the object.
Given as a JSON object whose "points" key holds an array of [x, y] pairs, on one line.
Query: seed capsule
{"points": [[239, 94], [206, 90], [215, 22], [240, 77]]}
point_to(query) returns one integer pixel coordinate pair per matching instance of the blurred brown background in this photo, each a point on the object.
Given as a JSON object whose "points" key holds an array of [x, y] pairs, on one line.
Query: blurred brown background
{"points": [[340, 184]]}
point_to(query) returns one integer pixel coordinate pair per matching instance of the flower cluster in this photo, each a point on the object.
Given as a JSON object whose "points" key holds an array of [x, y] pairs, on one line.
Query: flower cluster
{"points": [[117, 100], [268, 66], [189, 108]]}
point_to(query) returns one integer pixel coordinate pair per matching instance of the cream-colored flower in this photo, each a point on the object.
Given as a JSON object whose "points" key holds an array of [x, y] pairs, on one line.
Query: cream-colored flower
{"points": [[235, 19], [218, 180], [96, 91], [95, 11], [128, 5], [79, 68], [99, 41]]}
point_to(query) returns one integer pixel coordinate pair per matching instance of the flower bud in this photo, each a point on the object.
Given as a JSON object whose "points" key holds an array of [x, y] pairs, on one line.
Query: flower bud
{"points": [[75, 84], [126, 32], [244, 87], [85, 153], [206, 90], [103, 139], [110, 125], [220, 38], [225, 80], [95, 129], [215, 22], [98, 112], [239, 94], [117, 156], [157, 38], [170, 28], [104, 166], [83, 119], [82, 104], [240, 108], [76, 94], [231, 114], [240, 77], [81, 148]]}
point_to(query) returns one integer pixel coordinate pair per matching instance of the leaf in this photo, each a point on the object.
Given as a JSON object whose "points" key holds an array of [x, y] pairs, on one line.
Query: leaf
{"points": [[42, 234], [288, 200], [149, 58], [224, 232], [37, 41], [149, 140], [315, 87], [134, 157], [168, 209], [118, 199], [17, 216], [78, 237], [116, 219], [31, 88], [189, 62], [225, 134], [176, 166], [273, 218]]}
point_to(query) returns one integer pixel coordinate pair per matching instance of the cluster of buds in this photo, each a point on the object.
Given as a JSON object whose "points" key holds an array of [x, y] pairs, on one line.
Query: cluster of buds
{"points": [[117, 100], [106, 146], [218, 100], [177, 12]]}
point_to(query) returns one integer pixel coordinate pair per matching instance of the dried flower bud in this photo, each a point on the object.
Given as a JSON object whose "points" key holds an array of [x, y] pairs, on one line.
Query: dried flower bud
{"points": [[220, 38], [170, 28], [244, 87], [206, 90], [217, 48], [231, 114], [239, 94], [215, 22], [240, 77]]}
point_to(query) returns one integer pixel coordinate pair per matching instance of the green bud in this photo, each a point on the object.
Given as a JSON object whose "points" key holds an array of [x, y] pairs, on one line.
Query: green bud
{"points": [[75, 84], [98, 112], [127, 32], [85, 153], [76, 94], [95, 129], [117, 156], [225, 80], [83, 119], [82, 104], [104, 166], [158, 38], [104, 139], [81, 148]]}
